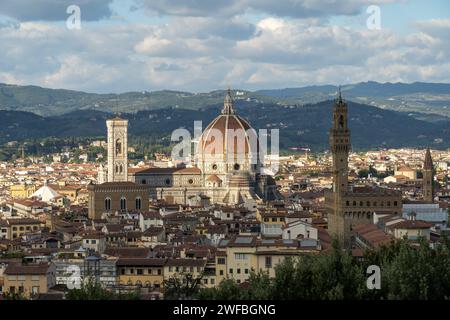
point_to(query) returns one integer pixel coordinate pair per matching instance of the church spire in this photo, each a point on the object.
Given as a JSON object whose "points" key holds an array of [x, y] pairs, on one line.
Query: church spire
{"points": [[339, 99], [428, 177], [428, 163], [228, 105]]}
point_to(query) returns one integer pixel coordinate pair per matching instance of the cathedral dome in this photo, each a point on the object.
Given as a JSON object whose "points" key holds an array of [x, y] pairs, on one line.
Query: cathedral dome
{"points": [[228, 135]]}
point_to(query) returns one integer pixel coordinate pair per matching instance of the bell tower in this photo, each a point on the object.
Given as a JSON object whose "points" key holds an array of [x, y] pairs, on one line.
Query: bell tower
{"points": [[117, 149], [427, 188], [340, 145]]}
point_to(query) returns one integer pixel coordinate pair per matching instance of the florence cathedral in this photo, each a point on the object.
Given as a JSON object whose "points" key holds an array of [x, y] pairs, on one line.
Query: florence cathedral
{"points": [[226, 170]]}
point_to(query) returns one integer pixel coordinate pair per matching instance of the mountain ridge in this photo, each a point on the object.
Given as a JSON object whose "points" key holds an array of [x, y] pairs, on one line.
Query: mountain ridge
{"points": [[300, 126], [416, 97]]}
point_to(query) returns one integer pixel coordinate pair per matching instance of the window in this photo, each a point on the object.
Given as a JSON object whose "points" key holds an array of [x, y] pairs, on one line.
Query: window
{"points": [[168, 181], [35, 290], [268, 262], [236, 166], [347, 203], [238, 271], [221, 261], [231, 270], [159, 272], [274, 219], [214, 166], [143, 181], [240, 256], [118, 147], [138, 203], [213, 281], [140, 271], [221, 272], [93, 241], [246, 271], [123, 204], [107, 204], [190, 181]]}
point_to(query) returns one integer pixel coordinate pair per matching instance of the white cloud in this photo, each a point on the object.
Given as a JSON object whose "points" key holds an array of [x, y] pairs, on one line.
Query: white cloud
{"points": [[204, 53], [281, 8]]}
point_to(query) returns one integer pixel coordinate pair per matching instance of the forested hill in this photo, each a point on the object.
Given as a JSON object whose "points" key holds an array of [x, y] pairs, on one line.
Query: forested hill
{"points": [[300, 126]]}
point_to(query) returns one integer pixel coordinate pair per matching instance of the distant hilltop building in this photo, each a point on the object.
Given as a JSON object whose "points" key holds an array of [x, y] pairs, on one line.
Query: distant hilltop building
{"points": [[229, 175], [349, 206]]}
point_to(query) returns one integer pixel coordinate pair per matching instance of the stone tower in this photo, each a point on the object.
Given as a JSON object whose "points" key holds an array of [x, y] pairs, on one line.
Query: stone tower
{"points": [[427, 188], [339, 138], [117, 149], [340, 145]]}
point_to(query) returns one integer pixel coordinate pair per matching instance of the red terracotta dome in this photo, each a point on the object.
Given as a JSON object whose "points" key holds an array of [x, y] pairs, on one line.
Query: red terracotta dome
{"points": [[235, 133]]}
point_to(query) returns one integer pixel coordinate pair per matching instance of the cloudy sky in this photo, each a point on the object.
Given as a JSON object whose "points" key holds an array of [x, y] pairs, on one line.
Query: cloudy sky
{"points": [[202, 45]]}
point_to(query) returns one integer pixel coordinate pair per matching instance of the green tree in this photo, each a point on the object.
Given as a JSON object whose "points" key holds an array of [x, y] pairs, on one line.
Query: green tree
{"points": [[183, 286], [92, 290]]}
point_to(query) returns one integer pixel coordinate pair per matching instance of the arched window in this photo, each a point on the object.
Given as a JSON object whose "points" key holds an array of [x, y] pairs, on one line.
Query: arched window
{"points": [[347, 203], [118, 147], [123, 204], [117, 168], [107, 204], [354, 203], [121, 168], [341, 121], [138, 203]]}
